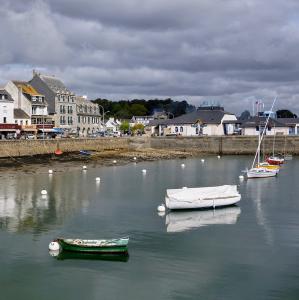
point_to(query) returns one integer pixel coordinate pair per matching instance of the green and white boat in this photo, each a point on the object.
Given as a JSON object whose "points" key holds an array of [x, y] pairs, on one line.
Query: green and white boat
{"points": [[94, 246]]}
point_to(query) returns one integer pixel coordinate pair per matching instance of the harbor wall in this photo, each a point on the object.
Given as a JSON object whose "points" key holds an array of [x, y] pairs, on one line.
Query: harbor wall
{"points": [[205, 144]]}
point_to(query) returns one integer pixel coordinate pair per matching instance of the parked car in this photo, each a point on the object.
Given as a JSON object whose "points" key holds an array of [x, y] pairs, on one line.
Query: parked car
{"points": [[30, 136]]}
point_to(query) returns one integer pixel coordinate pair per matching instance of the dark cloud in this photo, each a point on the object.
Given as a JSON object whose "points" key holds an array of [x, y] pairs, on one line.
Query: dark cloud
{"points": [[230, 51]]}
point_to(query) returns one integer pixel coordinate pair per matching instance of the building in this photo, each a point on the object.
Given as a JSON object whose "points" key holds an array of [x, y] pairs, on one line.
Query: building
{"points": [[7, 121], [61, 101], [203, 121], [255, 125], [89, 119], [144, 120], [112, 125], [292, 124]]}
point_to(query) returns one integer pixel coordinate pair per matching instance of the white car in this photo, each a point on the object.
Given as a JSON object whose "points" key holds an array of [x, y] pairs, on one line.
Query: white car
{"points": [[30, 136]]}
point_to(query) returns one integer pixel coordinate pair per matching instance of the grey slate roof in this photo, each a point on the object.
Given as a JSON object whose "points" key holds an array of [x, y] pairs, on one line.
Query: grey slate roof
{"points": [[20, 114], [55, 84], [204, 116], [5, 92], [261, 121], [289, 121]]}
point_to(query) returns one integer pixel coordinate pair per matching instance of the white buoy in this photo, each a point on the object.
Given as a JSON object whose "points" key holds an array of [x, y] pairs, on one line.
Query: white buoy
{"points": [[183, 165], [161, 208], [44, 192], [218, 156], [114, 161], [135, 158], [184, 187], [202, 160], [241, 177], [98, 179], [50, 171], [54, 246], [84, 167], [144, 171]]}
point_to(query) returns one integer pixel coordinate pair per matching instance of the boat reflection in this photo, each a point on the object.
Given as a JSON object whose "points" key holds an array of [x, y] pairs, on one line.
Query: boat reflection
{"points": [[187, 220], [64, 255]]}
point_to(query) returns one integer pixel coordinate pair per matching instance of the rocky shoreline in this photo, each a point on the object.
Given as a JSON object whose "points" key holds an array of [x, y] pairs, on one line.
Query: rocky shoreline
{"points": [[73, 160]]}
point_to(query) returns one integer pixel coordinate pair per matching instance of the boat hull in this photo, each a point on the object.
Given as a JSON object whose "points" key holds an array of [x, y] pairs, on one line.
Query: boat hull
{"points": [[261, 173], [275, 161], [77, 245]]}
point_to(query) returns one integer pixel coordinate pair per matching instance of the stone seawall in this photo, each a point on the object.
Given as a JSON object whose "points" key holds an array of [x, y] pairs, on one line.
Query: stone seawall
{"points": [[212, 145], [228, 144]]}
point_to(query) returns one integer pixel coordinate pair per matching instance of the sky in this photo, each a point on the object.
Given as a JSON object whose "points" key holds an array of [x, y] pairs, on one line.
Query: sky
{"points": [[229, 51]]}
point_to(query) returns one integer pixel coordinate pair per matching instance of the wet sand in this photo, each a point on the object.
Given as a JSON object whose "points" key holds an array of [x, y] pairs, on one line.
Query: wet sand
{"points": [[74, 160]]}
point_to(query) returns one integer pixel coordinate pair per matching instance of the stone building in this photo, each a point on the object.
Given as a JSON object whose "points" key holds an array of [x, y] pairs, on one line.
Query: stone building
{"points": [[88, 116], [61, 101]]}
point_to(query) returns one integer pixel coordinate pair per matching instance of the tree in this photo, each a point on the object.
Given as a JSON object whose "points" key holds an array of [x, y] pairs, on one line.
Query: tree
{"points": [[124, 127], [138, 109], [139, 128], [285, 113], [245, 115]]}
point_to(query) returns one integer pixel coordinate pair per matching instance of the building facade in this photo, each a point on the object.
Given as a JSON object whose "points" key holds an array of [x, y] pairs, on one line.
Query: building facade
{"points": [[89, 119], [61, 101]]}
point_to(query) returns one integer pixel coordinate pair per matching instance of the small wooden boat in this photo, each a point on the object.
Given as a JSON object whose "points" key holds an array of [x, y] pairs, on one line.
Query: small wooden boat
{"points": [[85, 152], [203, 197], [94, 246]]}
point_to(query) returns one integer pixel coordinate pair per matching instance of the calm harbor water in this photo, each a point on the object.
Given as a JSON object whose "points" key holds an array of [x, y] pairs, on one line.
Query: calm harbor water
{"points": [[249, 251]]}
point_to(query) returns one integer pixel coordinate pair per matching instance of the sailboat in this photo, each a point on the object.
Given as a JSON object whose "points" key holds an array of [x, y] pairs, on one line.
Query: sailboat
{"points": [[258, 171], [274, 159]]}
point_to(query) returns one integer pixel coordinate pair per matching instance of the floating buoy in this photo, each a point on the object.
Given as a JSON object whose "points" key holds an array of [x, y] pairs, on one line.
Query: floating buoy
{"points": [[50, 171], [98, 179], [218, 156], [241, 177], [202, 160], [183, 165], [54, 246], [144, 171], [44, 192], [114, 161], [184, 187], [84, 167], [161, 208], [135, 158]]}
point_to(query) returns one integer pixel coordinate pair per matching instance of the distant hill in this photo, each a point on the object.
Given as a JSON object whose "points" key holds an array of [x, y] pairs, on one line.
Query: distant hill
{"points": [[125, 109]]}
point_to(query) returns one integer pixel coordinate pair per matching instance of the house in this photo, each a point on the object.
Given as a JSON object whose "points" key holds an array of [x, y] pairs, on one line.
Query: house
{"points": [[89, 119], [256, 124], [7, 121], [207, 120], [112, 125], [292, 124], [144, 120], [22, 104], [61, 101]]}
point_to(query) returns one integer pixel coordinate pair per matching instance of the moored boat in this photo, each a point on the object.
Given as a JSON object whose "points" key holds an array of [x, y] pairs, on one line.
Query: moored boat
{"points": [[261, 173], [85, 152], [94, 246], [275, 160], [266, 165], [203, 197]]}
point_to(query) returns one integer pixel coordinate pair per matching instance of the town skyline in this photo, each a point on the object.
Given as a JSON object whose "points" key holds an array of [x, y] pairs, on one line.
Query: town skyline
{"points": [[232, 53]]}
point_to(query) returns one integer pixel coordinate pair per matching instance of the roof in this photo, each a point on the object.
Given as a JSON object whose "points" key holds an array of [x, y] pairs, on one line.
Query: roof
{"points": [[20, 114], [27, 88], [204, 116], [261, 121], [4, 92], [289, 121], [55, 84]]}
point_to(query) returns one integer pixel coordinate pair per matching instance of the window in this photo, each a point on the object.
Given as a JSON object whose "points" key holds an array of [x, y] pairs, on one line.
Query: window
{"points": [[176, 129], [4, 119], [78, 119], [257, 128], [181, 129], [269, 128]]}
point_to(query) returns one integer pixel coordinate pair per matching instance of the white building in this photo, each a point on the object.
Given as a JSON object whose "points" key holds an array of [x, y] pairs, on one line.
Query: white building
{"points": [[254, 125], [112, 125], [203, 121], [144, 120], [6, 108]]}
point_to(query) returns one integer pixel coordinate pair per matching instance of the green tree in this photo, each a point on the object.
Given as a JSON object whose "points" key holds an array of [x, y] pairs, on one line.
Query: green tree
{"points": [[138, 128], [124, 126], [285, 113], [138, 109]]}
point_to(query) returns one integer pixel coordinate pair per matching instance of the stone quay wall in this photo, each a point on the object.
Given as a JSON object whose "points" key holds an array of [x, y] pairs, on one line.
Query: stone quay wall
{"points": [[206, 144]]}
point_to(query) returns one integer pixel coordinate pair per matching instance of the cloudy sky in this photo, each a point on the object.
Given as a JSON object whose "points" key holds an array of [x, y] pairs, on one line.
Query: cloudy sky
{"points": [[231, 51]]}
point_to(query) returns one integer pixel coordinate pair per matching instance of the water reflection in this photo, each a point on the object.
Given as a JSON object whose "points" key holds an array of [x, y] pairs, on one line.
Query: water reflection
{"points": [[64, 255], [186, 220], [22, 207]]}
